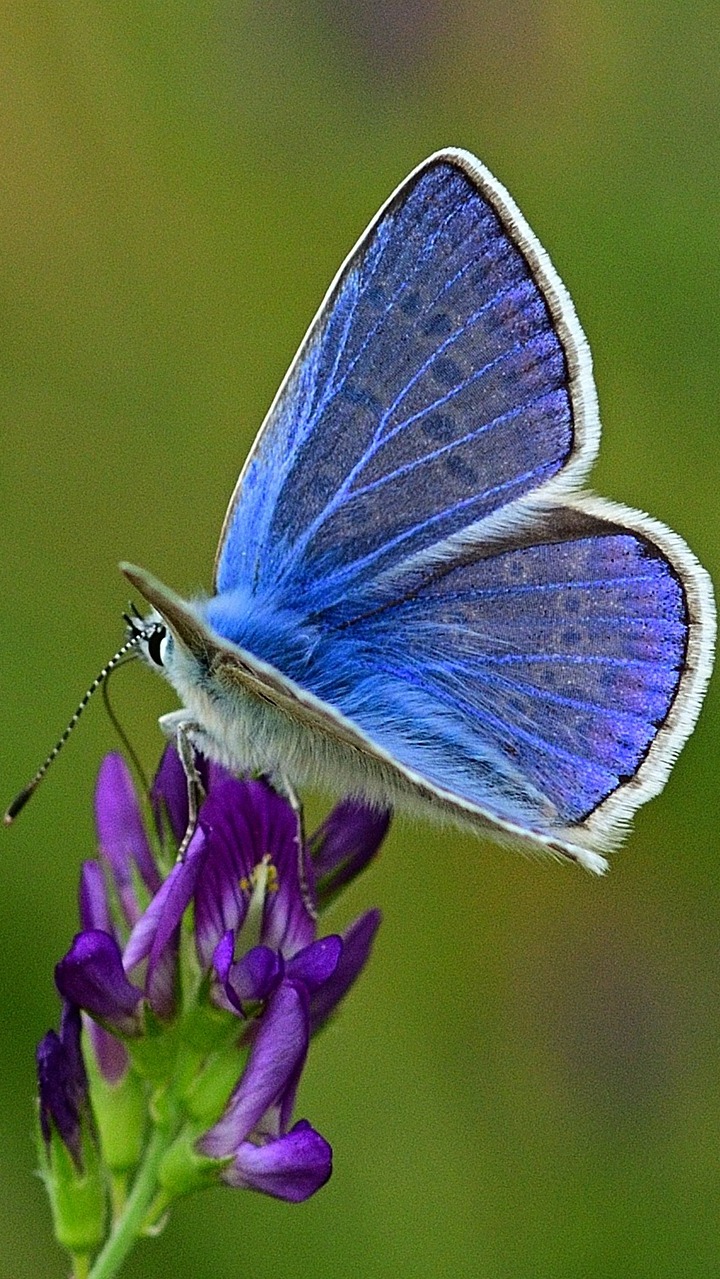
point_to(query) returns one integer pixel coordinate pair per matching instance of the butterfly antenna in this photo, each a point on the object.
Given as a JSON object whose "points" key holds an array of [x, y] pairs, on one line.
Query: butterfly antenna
{"points": [[28, 791]]}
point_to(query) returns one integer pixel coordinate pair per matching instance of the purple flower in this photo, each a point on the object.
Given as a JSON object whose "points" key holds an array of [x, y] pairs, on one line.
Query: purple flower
{"points": [[63, 1084], [253, 1133], [92, 975], [348, 839], [264, 981], [110, 1052], [357, 944], [122, 841], [250, 880]]}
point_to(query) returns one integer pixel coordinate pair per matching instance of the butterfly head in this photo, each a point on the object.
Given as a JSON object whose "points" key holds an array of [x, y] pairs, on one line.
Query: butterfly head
{"points": [[150, 636], [172, 630], [173, 639]]}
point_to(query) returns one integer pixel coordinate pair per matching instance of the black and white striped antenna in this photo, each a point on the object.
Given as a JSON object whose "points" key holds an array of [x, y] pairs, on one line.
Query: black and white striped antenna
{"points": [[136, 634]]}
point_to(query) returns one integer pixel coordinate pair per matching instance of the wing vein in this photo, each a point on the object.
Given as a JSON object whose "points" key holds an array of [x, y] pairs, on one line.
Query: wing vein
{"points": [[350, 570], [334, 390]]}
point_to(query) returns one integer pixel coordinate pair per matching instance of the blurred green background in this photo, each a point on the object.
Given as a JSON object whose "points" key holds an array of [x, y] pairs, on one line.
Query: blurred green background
{"points": [[527, 1082]]}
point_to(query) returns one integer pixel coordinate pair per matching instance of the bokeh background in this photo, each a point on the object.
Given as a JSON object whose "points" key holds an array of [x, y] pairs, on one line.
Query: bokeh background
{"points": [[527, 1082]]}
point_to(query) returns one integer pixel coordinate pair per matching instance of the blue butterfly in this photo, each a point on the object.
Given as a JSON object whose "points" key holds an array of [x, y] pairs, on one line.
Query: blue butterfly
{"points": [[414, 599]]}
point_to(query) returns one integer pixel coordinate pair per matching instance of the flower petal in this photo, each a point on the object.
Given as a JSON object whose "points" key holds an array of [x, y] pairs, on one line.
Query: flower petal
{"points": [[224, 955], [62, 1083], [92, 976], [276, 1059], [245, 822], [316, 963], [110, 1052], [343, 846], [169, 791], [289, 924], [221, 898], [155, 933], [160, 981], [357, 945], [57, 1106], [70, 1029], [169, 794], [292, 1167], [121, 833], [141, 938], [252, 978], [93, 898]]}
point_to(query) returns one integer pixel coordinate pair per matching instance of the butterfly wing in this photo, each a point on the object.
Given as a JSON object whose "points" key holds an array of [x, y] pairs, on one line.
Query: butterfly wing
{"points": [[444, 378], [550, 681]]}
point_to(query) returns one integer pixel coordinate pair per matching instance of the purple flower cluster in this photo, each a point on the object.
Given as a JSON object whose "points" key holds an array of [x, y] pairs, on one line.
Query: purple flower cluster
{"points": [[220, 959]]}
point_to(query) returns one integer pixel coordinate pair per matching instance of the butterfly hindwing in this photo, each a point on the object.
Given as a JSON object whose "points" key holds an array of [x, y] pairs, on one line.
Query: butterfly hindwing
{"points": [[532, 678]]}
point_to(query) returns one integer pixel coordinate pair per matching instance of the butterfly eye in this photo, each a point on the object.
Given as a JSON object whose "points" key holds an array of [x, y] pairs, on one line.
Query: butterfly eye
{"points": [[155, 642]]}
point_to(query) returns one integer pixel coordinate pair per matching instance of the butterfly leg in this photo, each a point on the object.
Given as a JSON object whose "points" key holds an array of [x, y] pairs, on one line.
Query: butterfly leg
{"points": [[284, 787], [183, 730], [195, 788]]}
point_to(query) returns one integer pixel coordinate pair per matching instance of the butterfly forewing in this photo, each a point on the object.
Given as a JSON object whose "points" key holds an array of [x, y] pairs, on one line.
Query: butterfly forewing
{"points": [[435, 387]]}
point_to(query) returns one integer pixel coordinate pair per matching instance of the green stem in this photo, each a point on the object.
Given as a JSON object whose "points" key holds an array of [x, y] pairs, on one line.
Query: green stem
{"points": [[128, 1225], [118, 1193], [81, 1265]]}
